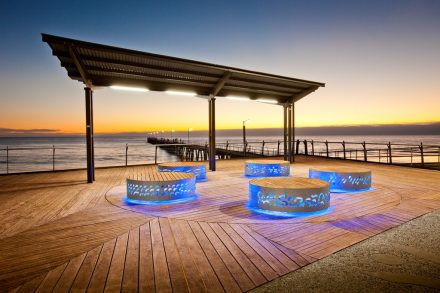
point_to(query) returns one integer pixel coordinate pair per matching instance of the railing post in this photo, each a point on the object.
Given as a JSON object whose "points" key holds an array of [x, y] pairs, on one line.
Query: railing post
{"points": [[126, 154], [438, 157], [262, 148], [313, 148], [422, 159], [297, 146], [155, 155], [390, 161], [306, 152], [53, 157], [278, 150], [227, 145], [364, 145], [326, 147], [7, 159], [343, 149]]}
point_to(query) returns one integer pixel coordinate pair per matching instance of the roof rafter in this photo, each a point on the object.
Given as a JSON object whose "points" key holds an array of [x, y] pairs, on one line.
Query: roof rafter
{"points": [[101, 66]]}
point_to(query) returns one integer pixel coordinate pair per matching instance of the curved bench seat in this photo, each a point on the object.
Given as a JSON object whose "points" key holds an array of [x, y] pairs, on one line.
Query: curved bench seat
{"points": [[342, 178], [288, 195], [160, 187]]}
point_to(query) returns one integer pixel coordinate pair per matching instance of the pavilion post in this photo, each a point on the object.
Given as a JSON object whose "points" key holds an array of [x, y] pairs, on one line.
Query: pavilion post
{"points": [[289, 133], [285, 131], [89, 135], [292, 109], [212, 133], [93, 133]]}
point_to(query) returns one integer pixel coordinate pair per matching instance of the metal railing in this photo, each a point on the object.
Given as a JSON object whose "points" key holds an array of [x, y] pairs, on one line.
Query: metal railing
{"points": [[53, 158], [419, 155]]}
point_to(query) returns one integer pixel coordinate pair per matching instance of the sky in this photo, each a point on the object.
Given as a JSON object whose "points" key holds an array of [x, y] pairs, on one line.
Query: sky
{"points": [[379, 60]]}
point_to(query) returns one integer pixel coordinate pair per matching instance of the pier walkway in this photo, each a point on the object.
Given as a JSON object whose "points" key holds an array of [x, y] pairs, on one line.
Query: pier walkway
{"points": [[59, 233]]}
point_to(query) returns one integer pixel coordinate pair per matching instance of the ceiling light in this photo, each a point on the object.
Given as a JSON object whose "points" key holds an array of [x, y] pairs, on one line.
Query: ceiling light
{"points": [[181, 93], [128, 88], [268, 101]]}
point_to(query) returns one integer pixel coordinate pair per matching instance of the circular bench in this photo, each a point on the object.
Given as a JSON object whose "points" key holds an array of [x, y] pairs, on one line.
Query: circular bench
{"points": [[343, 179], [197, 168], [288, 195], [161, 188], [266, 168]]}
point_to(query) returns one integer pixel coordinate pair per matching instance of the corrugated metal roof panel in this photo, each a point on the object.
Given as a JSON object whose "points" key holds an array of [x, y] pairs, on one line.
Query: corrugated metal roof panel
{"points": [[105, 65]]}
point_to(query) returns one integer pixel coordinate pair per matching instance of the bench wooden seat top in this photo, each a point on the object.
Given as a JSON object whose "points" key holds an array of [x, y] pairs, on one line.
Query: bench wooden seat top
{"points": [[161, 176], [289, 183], [182, 164]]}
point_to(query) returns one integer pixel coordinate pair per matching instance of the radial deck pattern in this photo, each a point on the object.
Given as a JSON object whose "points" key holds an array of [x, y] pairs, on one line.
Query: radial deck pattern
{"points": [[57, 232]]}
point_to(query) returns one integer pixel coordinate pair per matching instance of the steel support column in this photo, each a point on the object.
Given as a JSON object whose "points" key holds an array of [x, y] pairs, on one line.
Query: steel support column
{"points": [[285, 131], [289, 133], [93, 133], [211, 133], [292, 114], [89, 135]]}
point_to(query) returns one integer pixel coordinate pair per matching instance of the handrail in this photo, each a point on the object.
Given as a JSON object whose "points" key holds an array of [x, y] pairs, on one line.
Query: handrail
{"points": [[420, 155]]}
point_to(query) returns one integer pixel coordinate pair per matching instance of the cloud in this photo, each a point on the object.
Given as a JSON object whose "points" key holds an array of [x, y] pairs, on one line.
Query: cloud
{"points": [[36, 131]]}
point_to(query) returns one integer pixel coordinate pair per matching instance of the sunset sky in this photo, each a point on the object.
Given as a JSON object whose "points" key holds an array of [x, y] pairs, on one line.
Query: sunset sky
{"points": [[380, 61]]}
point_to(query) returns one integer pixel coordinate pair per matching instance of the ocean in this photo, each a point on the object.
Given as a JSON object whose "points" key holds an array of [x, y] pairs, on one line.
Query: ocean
{"points": [[26, 154]]}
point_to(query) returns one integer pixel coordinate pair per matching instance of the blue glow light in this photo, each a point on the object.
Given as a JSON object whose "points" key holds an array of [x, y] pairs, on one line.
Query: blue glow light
{"points": [[158, 202], [278, 214], [352, 191], [266, 170], [343, 182]]}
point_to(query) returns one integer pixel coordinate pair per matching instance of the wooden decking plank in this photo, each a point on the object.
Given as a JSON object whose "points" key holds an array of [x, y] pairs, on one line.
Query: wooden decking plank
{"points": [[247, 265], [175, 268], [146, 269], [32, 285], [300, 259], [239, 274], [85, 272], [99, 276], [116, 270], [161, 273], [283, 258], [228, 282], [271, 260], [51, 279], [130, 279], [335, 244], [207, 273], [188, 257], [69, 274], [252, 253]]}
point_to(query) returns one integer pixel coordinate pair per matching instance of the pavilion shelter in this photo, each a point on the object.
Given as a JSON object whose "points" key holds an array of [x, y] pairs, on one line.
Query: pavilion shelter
{"points": [[97, 65]]}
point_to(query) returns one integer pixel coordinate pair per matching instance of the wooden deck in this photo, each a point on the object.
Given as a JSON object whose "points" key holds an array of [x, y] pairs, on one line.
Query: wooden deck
{"points": [[59, 233]]}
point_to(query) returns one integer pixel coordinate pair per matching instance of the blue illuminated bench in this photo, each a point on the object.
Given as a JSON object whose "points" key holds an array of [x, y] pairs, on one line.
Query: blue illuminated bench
{"points": [[161, 188], [342, 178], [196, 168], [266, 168], [286, 196]]}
